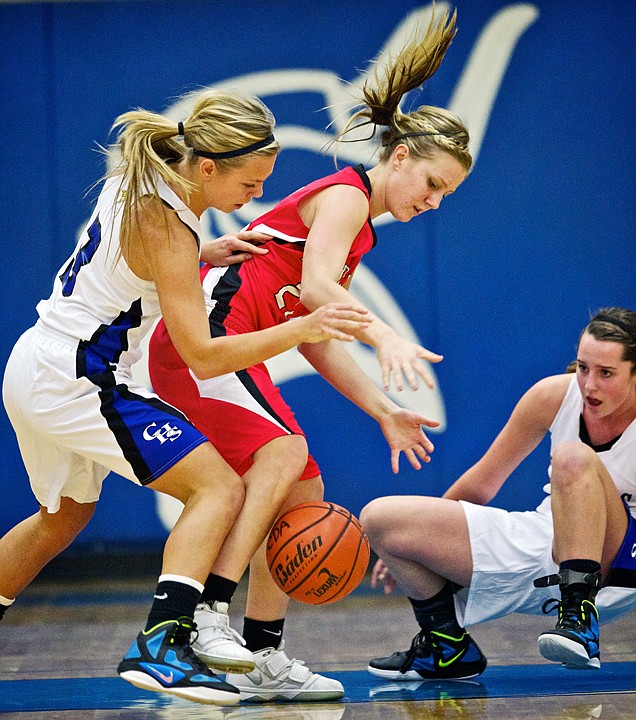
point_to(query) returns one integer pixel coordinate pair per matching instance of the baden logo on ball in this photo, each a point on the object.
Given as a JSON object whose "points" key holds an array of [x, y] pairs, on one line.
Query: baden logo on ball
{"points": [[317, 552]]}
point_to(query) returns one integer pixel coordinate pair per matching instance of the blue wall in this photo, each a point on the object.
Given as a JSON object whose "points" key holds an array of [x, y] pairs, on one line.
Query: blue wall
{"points": [[500, 280]]}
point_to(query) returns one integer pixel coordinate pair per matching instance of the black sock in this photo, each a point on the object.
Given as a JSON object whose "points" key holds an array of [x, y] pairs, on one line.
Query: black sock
{"points": [[260, 634], [219, 589], [576, 592], [172, 600], [438, 612]]}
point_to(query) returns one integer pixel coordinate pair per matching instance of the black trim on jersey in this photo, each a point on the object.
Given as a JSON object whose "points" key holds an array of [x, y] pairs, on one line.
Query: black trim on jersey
{"points": [[584, 436], [362, 173], [196, 237], [223, 293], [225, 289], [96, 358], [300, 244], [254, 391]]}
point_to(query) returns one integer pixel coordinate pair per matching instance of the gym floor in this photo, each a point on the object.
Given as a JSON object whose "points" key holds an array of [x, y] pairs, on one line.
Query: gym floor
{"points": [[62, 640]]}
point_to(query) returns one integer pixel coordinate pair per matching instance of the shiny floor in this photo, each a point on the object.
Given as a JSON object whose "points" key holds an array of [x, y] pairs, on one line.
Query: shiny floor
{"points": [[60, 643]]}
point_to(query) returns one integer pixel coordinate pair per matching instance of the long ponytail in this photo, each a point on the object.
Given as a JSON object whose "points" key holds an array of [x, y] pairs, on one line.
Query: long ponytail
{"points": [[427, 130]]}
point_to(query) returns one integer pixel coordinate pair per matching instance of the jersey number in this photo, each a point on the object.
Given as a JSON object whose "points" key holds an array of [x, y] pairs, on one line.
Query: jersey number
{"points": [[287, 294], [84, 256]]}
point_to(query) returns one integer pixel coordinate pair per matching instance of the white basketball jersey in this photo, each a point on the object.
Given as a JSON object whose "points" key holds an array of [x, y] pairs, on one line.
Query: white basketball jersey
{"points": [[96, 298], [619, 459]]}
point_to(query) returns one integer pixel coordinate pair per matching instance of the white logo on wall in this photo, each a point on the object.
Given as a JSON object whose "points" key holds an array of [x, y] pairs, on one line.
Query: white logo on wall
{"points": [[472, 99]]}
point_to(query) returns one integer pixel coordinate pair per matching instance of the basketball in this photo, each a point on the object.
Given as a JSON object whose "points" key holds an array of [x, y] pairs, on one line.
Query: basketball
{"points": [[317, 552]]}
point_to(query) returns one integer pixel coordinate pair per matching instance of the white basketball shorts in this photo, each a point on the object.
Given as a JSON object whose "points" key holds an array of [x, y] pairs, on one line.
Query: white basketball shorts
{"points": [[72, 431], [511, 550]]}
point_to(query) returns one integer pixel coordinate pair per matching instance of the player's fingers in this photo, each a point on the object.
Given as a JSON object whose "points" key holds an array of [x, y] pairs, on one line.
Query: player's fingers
{"points": [[422, 453], [253, 236], [395, 461], [396, 373], [411, 375], [239, 246], [430, 356], [412, 458]]}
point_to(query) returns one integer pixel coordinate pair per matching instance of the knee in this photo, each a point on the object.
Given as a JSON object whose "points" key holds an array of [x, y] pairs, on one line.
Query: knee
{"points": [[377, 518], [280, 462], [571, 463], [225, 490], [58, 530], [295, 454]]}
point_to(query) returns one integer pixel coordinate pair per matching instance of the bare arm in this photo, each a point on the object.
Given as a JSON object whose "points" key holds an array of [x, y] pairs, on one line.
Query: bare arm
{"points": [[401, 428], [335, 216], [530, 421], [173, 265]]}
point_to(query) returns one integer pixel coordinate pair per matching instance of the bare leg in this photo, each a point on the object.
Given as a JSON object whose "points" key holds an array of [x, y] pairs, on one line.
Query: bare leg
{"points": [[212, 494], [589, 517], [265, 601], [422, 540], [277, 466], [34, 542]]}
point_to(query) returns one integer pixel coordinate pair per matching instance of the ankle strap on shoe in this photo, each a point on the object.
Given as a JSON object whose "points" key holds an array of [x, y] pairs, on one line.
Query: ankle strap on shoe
{"points": [[569, 577]]}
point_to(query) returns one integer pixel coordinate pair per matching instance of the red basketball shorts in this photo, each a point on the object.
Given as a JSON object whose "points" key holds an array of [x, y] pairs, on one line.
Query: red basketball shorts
{"points": [[239, 412]]}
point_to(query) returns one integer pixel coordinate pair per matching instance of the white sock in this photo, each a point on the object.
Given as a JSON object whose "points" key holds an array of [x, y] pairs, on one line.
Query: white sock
{"points": [[183, 580]]}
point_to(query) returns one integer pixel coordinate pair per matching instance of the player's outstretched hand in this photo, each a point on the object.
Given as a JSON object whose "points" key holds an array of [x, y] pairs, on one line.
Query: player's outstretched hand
{"points": [[402, 359], [334, 321], [382, 576], [403, 431], [234, 248]]}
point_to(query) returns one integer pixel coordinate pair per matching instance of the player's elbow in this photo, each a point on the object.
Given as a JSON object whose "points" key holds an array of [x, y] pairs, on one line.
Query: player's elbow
{"points": [[313, 294]]}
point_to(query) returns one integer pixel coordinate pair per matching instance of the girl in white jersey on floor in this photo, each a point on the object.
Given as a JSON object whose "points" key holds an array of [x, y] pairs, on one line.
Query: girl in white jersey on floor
{"points": [[461, 563], [68, 388]]}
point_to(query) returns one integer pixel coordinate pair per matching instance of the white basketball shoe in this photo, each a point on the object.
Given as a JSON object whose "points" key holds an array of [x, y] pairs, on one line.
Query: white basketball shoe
{"points": [[276, 677], [216, 643]]}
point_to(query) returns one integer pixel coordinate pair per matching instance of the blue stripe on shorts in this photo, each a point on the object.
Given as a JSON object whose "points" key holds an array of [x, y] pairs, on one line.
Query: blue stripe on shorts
{"points": [[152, 435]]}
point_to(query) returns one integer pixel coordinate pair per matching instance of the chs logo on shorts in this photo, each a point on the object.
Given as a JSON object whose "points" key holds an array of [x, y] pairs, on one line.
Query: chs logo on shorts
{"points": [[164, 433]]}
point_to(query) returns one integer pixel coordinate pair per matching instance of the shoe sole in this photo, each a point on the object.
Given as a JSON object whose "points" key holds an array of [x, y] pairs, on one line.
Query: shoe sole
{"points": [[572, 654], [411, 675], [204, 695], [226, 665], [407, 676], [280, 696]]}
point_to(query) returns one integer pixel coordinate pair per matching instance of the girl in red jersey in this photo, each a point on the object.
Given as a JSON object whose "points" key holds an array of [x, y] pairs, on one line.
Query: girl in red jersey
{"points": [[318, 236]]}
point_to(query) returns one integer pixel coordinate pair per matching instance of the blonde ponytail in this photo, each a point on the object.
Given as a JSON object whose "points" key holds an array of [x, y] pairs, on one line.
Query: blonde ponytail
{"points": [[427, 130]]}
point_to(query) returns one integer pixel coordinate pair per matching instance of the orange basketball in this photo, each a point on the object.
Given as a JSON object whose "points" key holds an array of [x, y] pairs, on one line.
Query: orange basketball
{"points": [[317, 552]]}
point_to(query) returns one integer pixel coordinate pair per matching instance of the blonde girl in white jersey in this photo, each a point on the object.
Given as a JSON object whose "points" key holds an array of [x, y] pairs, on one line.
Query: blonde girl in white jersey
{"points": [[461, 562], [68, 388]]}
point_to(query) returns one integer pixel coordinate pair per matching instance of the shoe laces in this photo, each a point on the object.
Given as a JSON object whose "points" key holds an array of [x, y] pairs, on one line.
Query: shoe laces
{"points": [[420, 645], [221, 621], [572, 615], [180, 636]]}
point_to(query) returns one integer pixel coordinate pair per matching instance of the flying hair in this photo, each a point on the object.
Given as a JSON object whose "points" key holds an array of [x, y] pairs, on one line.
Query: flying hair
{"points": [[427, 130]]}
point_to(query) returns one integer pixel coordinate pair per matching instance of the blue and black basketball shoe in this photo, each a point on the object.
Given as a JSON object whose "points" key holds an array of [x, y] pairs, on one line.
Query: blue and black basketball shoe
{"points": [[433, 655], [162, 660], [575, 639]]}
